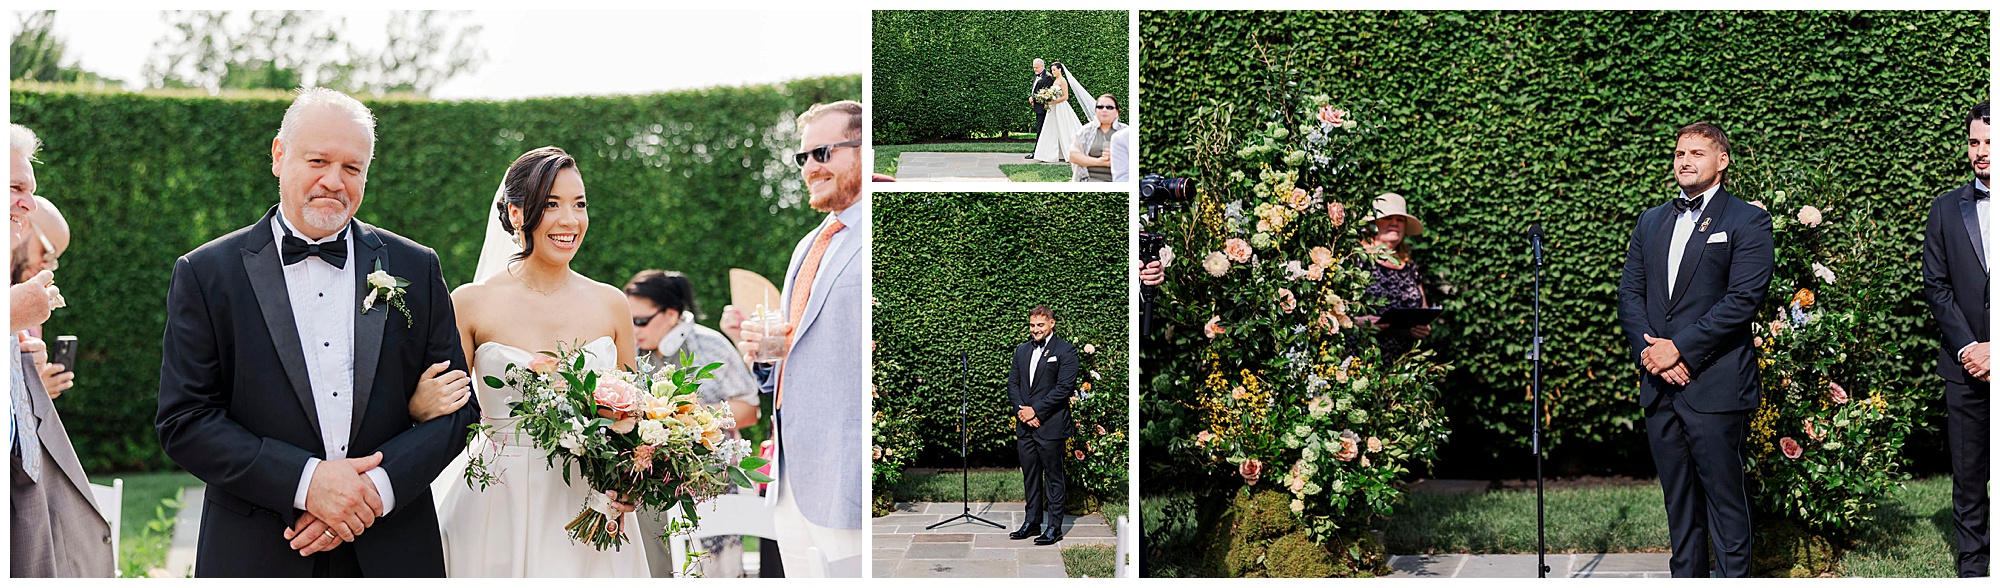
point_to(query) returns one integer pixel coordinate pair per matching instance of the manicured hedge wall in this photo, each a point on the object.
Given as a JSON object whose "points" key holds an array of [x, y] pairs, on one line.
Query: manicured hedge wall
{"points": [[947, 74], [959, 272], [1496, 120], [690, 180]]}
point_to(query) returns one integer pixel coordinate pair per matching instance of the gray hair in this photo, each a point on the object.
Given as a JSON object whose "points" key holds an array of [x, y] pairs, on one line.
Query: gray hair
{"points": [[1038, 61], [24, 141], [310, 98]]}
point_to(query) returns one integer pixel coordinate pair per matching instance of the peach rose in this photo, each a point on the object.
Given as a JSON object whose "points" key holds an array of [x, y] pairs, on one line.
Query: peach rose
{"points": [[1286, 300], [1237, 250], [1300, 199], [1804, 298], [1350, 446], [1204, 438], [1333, 116], [1837, 393], [1809, 216], [1316, 272], [1213, 328], [1816, 433], [1251, 470], [543, 364], [1336, 212], [1322, 256], [1374, 445], [1791, 448], [616, 398]]}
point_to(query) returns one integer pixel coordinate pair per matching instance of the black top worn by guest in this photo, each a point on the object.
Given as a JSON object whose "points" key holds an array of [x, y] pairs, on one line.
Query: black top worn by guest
{"points": [[1395, 288], [237, 410]]}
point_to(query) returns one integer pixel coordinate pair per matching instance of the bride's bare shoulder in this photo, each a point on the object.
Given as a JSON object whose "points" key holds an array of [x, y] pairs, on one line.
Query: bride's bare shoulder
{"points": [[469, 295]]}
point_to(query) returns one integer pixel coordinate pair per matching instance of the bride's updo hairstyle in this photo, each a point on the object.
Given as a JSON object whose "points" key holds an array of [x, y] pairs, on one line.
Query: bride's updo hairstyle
{"points": [[528, 183]]}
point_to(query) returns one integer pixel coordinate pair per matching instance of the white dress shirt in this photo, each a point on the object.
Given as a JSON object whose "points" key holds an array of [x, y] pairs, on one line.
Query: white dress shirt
{"points": [[323, 307], [1121, 154], [1684, 228], [1035, 360]]}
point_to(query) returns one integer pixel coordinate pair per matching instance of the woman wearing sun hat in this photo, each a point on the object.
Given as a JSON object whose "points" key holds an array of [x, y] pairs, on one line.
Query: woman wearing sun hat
{"points": [[1399, 282]]}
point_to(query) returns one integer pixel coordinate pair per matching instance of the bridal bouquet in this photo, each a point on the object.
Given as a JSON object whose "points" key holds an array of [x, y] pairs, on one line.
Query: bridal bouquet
{"points": [[639, 439], [1046, 96]]}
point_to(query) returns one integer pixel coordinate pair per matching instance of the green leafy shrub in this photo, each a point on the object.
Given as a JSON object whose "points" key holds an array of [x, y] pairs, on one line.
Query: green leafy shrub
{"points": [[954, 74], [145, 178]]}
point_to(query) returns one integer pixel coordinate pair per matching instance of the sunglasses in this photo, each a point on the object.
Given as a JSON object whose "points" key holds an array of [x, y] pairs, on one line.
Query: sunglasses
{"points": [[1111, 107], [643, 321], [822, 152]]}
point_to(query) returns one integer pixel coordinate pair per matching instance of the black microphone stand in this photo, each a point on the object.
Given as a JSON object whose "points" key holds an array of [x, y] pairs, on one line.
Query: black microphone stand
{"points": [[1535, 355], [964, 470]]}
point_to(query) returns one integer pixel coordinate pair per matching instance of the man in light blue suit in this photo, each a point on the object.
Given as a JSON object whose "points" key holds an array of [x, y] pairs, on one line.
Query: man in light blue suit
{"points": [[819, 365]]}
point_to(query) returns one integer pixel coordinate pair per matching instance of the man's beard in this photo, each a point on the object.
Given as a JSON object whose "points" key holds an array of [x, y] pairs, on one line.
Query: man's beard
{"points": [[846, 191], [324, 220]]}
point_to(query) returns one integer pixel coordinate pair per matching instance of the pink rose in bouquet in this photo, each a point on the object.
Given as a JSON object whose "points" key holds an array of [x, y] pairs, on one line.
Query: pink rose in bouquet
{"points": [[616, 398], [1790, 447], [1251, 470], [543, 364], [1237, 249]]}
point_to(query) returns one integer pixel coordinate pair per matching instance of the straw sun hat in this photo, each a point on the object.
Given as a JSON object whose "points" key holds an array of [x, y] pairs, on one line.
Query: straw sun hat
{"points": [[1391, 204]]}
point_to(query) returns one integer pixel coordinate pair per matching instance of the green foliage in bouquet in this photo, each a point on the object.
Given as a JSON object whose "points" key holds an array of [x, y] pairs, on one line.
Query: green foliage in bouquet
{"points": [[1825, 445], [637, 439], [1262, 371]]}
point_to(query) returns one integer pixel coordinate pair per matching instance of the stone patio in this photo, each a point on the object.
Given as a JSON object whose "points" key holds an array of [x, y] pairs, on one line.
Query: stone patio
{"points": [[955, 167], [968, 549], [1561, 565]]}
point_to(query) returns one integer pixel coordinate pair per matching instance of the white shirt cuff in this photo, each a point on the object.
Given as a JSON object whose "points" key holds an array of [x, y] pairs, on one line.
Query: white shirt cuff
{"points": [[383, 488], [1962, 350], [305, 481]]}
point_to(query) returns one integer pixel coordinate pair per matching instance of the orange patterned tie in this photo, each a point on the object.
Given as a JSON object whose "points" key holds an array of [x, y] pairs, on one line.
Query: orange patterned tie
{"points": [[801, 293]]}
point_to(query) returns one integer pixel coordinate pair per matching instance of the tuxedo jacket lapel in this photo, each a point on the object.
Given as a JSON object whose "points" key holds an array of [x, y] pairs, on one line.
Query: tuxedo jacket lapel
{"points": [[368, 328], [53, 437], [1968, 210], [266, 268]]}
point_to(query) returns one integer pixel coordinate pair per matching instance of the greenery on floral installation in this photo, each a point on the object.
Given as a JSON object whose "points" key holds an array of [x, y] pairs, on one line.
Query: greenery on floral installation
{"points": [[1262, 371], [1826, 442]]}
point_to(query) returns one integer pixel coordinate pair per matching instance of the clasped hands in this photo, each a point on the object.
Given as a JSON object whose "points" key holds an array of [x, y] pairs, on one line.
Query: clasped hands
{"points": [[1027, 415], [341, 502], [1664, 360], [1978, 359]]}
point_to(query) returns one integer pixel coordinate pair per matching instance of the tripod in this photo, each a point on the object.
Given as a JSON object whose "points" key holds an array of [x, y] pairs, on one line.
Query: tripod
{"points": [[1535, 355], [964, 470]]}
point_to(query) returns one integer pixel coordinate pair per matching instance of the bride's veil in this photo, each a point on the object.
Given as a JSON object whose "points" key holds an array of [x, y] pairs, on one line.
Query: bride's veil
{"points": [[1080, 97], [499, 248]]}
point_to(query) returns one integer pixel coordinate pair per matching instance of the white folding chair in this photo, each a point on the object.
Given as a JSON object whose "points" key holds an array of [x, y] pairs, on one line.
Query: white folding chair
{"points": [[728, 514], [111, 502]]}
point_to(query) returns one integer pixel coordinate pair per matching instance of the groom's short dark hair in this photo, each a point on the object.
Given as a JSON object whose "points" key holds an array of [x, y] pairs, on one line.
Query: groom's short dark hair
{"points": [[1983, 111], [1042, 311]]}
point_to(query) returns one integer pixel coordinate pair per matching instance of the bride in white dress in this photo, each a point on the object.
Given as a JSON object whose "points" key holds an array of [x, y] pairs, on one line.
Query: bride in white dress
{"points": [[515, 308], [1060, 125]]}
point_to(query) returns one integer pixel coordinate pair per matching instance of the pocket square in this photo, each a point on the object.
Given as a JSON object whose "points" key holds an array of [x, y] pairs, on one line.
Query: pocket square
{"points": [[1052, 359], [1719, 237]]}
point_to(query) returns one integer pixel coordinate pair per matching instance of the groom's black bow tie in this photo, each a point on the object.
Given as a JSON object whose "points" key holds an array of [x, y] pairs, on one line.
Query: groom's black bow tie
{"points": [[1039, 343], [1682, 205], [296, 250], [1981, 194]]}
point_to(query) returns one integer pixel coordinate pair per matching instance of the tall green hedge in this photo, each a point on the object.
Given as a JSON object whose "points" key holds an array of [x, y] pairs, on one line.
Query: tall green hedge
{"points": [[689, 180], [948, 74], [959, 272], [1502, 119]]}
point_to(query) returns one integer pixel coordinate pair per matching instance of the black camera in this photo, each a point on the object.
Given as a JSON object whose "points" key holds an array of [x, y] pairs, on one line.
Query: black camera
{"points": [[1149, 247], [1158, 190]]}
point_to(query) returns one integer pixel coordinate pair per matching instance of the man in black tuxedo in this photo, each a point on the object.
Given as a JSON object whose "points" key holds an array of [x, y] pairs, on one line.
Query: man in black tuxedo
{"points": [[1039, 384], [1041, 82], [1955, 281], [287, 375], [1695, 273]]}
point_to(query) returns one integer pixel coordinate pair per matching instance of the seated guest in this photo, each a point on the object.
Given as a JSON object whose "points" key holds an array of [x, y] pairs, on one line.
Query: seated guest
{"points": [[1090, 155]]}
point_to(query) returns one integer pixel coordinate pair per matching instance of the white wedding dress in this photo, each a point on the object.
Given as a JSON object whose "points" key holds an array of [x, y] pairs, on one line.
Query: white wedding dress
{"points": [[1060, 125], [514, 528]]}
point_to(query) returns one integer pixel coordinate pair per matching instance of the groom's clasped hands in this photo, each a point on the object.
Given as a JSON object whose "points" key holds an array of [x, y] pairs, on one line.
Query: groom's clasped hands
{"points": [[341, 502]]}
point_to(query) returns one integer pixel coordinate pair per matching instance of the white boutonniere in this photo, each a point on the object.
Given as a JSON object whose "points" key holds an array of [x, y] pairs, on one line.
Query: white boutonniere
{"points": [[388, 289]]}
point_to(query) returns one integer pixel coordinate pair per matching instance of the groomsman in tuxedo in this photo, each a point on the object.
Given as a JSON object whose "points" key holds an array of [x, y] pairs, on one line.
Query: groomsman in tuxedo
{"points": [[1042, 81], [1695, 273], [1956, 282], [55, 529], [820, 377], [1039, 383]]}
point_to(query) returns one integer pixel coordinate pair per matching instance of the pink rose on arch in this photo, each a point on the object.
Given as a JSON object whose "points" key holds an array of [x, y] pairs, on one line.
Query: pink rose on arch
{"points": [[1316, 272], [1836, 392], [1816, 433], [1336, 212], [1350, 446], [543, 364], [1213, 328], [1791, 448], [1322, 256], [1079, 455], [1286, 300], [616, 398], [1333, 116], [1237, 250], [1251, 470], [1204, 438], [1300, 199]]}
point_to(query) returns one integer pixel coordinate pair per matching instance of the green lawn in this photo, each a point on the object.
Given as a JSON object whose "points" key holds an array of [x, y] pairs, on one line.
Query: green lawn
{"points": [[147, 529], [1090, 561], [985, 485], [887, 157], [1912, 535], [1036, 172]]}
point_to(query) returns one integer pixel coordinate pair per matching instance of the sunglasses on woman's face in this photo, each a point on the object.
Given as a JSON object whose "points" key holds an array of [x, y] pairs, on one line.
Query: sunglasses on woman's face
{"points": [[1109, 107], [822, 152], [641, 321]]}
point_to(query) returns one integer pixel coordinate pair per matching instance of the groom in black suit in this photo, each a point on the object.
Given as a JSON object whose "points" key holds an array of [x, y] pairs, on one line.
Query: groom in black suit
{"points": [[1041, 82], [1956, 283], [1039, 384], [288, 397], [1695, 273]]}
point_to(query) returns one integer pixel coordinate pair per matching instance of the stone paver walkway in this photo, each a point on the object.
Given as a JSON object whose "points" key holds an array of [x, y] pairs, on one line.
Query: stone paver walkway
{"points": [[955, 167], [967, 549], [1561, 565]]}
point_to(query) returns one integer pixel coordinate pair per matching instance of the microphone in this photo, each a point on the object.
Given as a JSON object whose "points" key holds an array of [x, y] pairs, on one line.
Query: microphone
{"points": [[1535, 240]]}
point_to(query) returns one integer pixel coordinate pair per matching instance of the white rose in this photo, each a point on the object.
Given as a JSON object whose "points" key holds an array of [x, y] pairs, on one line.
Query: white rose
{"points": [[652, 432], [1216, 263], [1166, 256], [381, 279], [1824, 273]]}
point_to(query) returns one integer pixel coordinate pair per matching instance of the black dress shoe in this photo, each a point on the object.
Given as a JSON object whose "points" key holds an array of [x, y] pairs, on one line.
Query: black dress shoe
{"points": [[1026, 531], [1029, 156], [1051, 537]]}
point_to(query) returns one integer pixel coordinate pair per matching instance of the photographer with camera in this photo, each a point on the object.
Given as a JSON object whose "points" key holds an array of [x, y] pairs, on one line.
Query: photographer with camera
{"points": [[1156, 194]]}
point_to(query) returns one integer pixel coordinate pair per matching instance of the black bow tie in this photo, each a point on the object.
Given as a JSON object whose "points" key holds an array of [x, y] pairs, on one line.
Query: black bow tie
{"points": [[296, 250], [1039, 343], [1682, 205], [1981, 194]]}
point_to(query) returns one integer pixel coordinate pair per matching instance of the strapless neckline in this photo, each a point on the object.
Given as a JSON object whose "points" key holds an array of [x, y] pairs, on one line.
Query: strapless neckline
{"points": [[482, 346]]}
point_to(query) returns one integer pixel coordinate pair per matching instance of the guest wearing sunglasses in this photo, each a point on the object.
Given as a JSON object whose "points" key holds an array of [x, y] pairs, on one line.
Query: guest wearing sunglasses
{"points": [[1090, 156], [663, 314]]}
